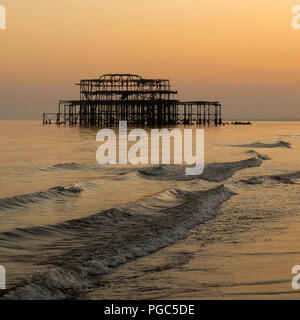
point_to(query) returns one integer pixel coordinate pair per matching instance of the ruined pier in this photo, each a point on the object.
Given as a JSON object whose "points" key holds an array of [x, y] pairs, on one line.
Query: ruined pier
{"points": [[112, 98]]}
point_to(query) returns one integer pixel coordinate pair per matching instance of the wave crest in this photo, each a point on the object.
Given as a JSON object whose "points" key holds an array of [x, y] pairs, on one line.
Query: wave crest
{"points": [[30, 198], [117, 236], [214, 172], [257, 154], [258, 144], [287, 178]]}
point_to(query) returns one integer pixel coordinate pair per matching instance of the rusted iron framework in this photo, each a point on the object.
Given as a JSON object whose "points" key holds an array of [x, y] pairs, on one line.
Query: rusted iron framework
{"points": [[200, 112], [140, 102]]}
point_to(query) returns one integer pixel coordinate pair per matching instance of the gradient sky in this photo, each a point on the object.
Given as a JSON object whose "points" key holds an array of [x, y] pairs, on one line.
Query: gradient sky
{"points": [[242, 53]]}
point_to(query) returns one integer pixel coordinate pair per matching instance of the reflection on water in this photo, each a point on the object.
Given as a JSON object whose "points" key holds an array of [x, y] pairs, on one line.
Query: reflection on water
{"points": [[49, 176]]}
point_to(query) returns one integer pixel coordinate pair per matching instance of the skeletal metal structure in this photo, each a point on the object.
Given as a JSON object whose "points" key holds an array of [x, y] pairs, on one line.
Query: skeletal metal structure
{"points": [[141, 102]]}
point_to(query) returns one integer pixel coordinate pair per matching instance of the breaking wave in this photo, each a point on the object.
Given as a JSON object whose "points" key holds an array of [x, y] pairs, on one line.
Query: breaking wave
{"points": [[214, 172], [116, 236], [30, 198], [278, 144]]}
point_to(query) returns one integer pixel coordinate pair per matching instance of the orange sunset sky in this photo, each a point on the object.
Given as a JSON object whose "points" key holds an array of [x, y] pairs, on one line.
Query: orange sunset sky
{"points": [[243, 53]]}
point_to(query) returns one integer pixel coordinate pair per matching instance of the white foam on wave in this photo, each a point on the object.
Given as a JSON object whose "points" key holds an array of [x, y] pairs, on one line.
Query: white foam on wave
{"points": [[132, 235]]}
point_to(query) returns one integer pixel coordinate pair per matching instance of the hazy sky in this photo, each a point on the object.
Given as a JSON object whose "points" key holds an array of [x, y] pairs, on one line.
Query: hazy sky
{"points": [[241, 52]]}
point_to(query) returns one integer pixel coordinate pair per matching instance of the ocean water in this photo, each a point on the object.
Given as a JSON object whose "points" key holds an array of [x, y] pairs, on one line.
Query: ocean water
{"points": [[72, 229]]}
